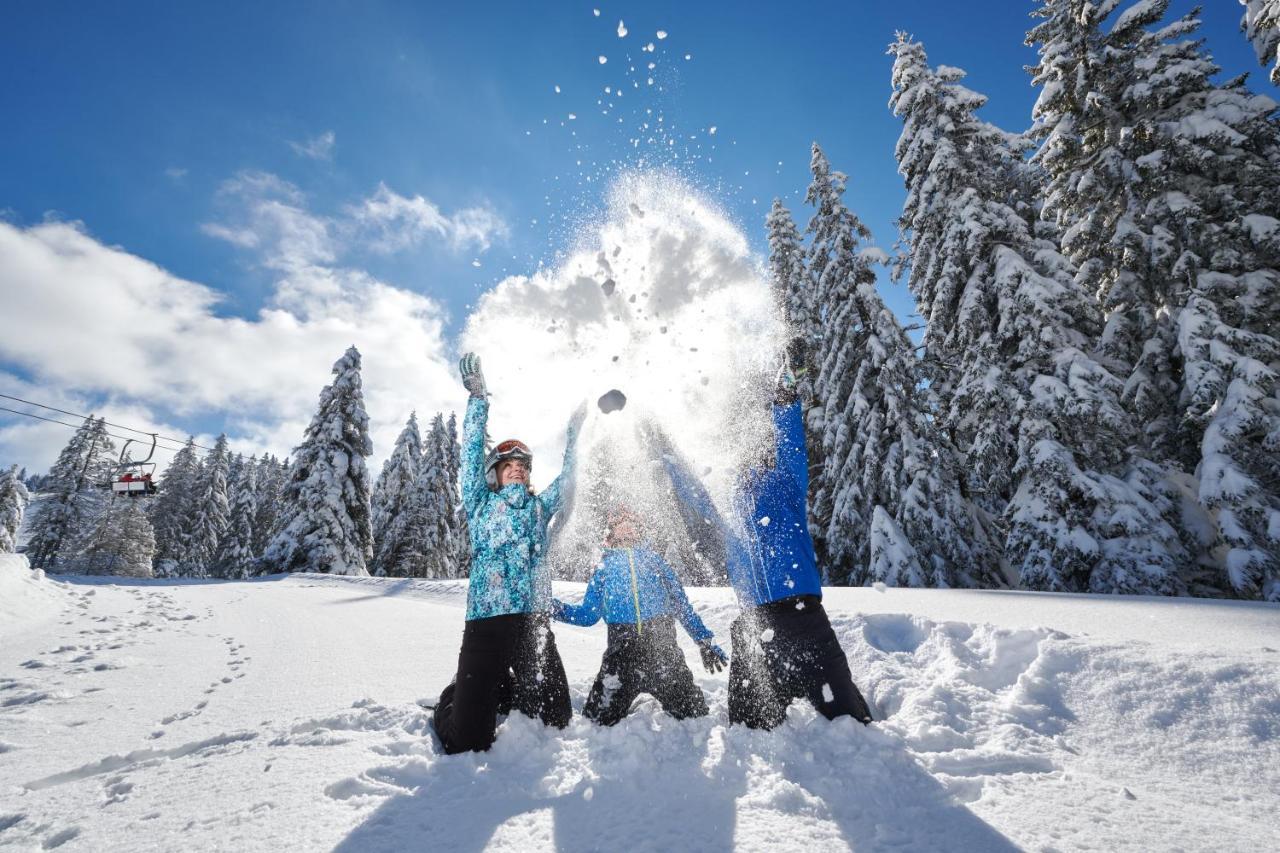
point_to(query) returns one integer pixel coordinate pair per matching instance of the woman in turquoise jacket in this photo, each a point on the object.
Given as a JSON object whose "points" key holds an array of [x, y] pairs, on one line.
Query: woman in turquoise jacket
{"points": [[640, 598], [509, 658]]}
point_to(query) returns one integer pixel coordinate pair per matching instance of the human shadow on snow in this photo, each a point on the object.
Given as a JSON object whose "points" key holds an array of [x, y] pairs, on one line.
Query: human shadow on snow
{"points": [[654, 783]]}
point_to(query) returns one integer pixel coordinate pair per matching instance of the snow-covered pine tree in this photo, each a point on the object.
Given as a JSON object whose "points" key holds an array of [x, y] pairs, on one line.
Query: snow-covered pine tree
{"points": [[325, 524], [1165, 187], [438, 506], [13, 505], [392, 507], [170, 511], [271, 476], [60, 521], [236, 557], [888, 497], [121, 541], [1261, 25], [1043, 437], [210, 513], [791, 285], [836, 268]]}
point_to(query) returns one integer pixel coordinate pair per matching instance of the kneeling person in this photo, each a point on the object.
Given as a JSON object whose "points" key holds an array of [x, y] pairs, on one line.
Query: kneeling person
{"points": [[637, 593]]}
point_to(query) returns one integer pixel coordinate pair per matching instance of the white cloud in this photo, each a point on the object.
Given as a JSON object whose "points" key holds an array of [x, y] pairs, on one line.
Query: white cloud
{"points": [[87, 320], [175, 173], [390, 222], [316, 148]]}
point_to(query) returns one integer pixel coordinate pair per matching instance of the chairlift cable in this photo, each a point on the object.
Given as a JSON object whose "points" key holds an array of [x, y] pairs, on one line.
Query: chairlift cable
{"points": [[179, 441], [63, 423]]}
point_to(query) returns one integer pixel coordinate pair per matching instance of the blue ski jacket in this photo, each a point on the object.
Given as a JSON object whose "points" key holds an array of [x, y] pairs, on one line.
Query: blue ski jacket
{"points": [[508, 529], [630, 587], [769, 552]]}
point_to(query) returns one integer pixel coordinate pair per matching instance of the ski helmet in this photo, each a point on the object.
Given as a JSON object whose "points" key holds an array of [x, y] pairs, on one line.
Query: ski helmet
{"points": [[509, 449]]}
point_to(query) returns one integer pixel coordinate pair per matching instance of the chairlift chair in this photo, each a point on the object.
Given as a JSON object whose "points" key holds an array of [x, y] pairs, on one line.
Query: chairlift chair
{"points": [[135, 479]]}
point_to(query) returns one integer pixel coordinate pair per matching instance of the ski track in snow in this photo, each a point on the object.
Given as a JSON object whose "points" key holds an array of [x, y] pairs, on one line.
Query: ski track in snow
{"points": [[136, 717]]}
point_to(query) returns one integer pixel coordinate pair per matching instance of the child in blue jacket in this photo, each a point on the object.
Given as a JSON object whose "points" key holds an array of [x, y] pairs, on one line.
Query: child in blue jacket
{"points": [[640, 598]]}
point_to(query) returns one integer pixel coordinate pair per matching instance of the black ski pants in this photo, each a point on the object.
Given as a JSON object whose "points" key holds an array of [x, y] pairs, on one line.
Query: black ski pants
{"points": [[506, 663], [643, 660], [787, 650]]}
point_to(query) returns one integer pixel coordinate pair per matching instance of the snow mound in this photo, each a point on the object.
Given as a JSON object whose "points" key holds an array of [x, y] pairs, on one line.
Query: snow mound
{"points": [[27, 597]]}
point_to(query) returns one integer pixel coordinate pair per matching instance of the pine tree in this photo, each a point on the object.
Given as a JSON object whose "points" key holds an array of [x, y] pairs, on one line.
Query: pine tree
{"points": [[271, 475], [325, 525], [13, 505], [891, 484], [436, 507], [1037, 420], [1261, 25], [786, 264], [836, 270], [236, 556], [86, 463], [392, 510], [1164, 186], [210, 513], [171, 511], [121, 541]]}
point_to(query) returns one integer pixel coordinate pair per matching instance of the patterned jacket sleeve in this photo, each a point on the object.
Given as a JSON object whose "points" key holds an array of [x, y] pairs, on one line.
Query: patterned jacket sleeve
{"points": [[474, 488], [553, 495]]}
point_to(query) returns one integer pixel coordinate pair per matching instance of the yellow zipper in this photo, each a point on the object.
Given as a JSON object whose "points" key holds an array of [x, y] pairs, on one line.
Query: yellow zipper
{"points": [[635, 592]]}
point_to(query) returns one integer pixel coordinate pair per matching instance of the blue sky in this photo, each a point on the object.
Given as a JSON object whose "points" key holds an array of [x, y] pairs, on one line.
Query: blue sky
{"points": [[138, 119]]}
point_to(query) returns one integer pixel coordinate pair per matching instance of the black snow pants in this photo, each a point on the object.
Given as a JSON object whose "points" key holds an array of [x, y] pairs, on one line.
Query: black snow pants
{"points": [[507, 663], [643, 660], [787, 650]]}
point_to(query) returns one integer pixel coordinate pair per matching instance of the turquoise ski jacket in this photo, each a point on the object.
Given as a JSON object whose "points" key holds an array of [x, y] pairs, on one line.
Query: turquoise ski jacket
{"points": [[630, 587], [508, 529]]}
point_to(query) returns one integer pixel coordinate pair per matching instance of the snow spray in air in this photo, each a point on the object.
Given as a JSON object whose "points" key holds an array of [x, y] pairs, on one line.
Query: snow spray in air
{"points": [[663, 305]]}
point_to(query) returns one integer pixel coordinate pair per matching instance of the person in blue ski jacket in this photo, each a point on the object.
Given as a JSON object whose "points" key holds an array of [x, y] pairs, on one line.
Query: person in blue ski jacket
{"points": [[783, 646], [640, 598], [509, 658]]}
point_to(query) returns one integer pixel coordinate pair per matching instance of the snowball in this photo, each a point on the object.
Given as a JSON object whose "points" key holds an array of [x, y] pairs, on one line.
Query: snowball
{"points": [[595, 12], [827, 695], [879, 586], [475, 263], [622, 30], [766, 636], [557, 90], [712, 131], [603, 59], [662, 34], [764, 521], [588, 794]]}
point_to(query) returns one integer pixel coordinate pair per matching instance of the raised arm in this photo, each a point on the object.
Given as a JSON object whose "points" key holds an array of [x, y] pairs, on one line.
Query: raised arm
{"points": [[474, 487], [553, 495], [584, 614], [793, 457]]}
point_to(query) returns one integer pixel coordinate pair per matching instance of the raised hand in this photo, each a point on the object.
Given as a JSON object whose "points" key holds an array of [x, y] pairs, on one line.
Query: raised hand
{"points": [[472, 377]]}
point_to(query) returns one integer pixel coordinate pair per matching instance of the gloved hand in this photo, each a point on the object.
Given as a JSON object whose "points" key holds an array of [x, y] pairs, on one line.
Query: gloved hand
{"points": [[713, 658], [472, 378]]}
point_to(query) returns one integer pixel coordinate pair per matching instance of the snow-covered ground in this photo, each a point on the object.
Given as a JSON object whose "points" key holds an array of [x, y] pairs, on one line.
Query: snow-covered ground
{"points": [[280, 714]]}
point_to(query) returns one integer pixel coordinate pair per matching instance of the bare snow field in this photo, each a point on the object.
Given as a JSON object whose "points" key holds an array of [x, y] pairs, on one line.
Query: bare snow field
{"points": [[281, 714]]}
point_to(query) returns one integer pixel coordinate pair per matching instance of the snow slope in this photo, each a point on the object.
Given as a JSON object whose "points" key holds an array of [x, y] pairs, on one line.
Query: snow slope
{"points": [[280, 714]]}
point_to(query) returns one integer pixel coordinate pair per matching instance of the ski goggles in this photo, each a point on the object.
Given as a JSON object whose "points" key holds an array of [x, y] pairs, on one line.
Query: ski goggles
{"points": [[512, 448]]}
